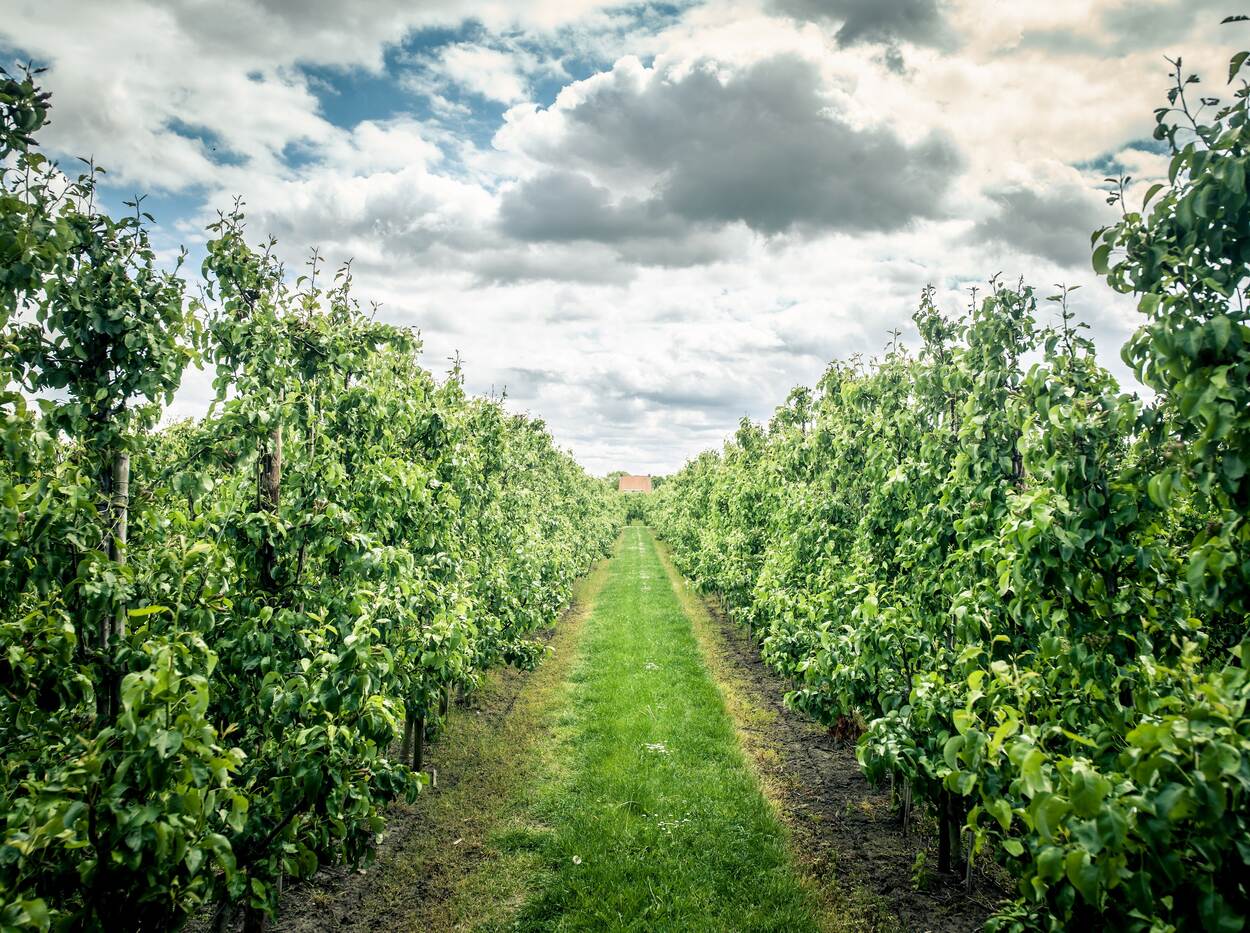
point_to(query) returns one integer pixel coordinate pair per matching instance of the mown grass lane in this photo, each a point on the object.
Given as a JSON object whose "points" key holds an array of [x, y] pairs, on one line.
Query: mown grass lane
{"points": [[651, 818]]}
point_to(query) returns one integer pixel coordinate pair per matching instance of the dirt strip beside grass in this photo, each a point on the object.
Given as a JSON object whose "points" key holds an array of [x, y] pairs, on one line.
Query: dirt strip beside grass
{"points": [[871, 875]]}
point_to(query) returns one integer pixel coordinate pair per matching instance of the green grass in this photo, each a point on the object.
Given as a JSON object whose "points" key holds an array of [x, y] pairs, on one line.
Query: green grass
{"points": [[642, 813]]}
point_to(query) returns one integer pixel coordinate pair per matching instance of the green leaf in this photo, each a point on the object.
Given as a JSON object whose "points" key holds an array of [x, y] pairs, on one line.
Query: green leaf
{"points": [[950, 751], [1222, 330], [1031, 773], [1159, 488], [167, 742], [146, 611], [962, 720], [1000, 809], [1088, 791], [1101, 259], [1083, 875], [1048, 813]]}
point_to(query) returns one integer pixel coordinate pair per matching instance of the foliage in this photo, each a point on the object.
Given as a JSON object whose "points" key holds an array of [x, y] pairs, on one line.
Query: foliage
{"points": [[1029, 587], [216, 635]]}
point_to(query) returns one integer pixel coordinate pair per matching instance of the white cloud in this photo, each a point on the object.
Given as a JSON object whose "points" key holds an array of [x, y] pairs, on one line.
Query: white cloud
{"points": [[130, 71], [729, 199], [482, 70]]}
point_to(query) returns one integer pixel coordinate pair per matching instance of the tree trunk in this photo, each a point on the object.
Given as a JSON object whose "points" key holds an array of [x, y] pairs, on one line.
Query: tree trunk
{"points": [[112, 622], [405, 747], [418, 744], [270, 483], [944, 836]]}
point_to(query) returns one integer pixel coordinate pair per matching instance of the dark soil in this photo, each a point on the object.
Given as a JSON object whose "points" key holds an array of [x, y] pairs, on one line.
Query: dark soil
{"points": [[843, 827]]}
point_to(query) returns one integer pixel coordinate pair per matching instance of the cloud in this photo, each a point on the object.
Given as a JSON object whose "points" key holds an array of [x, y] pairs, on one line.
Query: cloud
{"points": [[560, 206], [380, 194], [566, 207], [687, 209], [762, 146], [385, 218], [1159, 22], [510, 264], [1131, 25], [1053, 223], [495, 74], [130, 72], [873, 21], [484, 71]]}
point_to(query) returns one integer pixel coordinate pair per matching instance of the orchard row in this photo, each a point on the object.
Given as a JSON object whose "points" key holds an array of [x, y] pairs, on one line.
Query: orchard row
{"points": [[1027, 589], [223, 643]]}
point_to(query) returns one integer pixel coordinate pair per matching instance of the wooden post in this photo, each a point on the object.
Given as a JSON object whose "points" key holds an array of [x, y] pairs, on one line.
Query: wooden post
{"points": [[253, 920], [223, 917], [955, 819], [119, 509], [906, 808]]}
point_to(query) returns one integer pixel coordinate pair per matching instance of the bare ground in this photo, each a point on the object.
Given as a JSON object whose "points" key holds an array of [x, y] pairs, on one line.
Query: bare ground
{"points": [[844, 833]]}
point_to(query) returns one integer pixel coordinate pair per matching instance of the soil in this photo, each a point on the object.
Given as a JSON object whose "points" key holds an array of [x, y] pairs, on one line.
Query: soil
{"points": [[843, 828]]}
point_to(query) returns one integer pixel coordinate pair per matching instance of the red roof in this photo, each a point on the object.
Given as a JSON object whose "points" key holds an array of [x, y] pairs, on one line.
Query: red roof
{"points": [[635, 484]]}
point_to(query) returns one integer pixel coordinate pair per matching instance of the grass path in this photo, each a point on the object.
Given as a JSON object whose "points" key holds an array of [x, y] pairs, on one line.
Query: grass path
{"points": [[608, 790], [641, 812]]}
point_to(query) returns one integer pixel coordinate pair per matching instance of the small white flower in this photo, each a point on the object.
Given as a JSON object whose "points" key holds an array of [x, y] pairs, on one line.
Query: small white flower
{"points": [[577, 860]]}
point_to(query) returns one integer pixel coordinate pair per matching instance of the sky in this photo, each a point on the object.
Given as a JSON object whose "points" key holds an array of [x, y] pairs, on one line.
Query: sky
{"points": [[642, 221]]}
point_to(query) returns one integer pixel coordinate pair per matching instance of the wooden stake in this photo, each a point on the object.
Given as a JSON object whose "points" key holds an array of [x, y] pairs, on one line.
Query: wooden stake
{"points": [[253, 920], [955, 819]]}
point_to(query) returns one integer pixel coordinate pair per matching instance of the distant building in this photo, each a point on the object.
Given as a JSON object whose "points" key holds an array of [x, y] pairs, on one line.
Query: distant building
{"points": [[635, 484]]}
